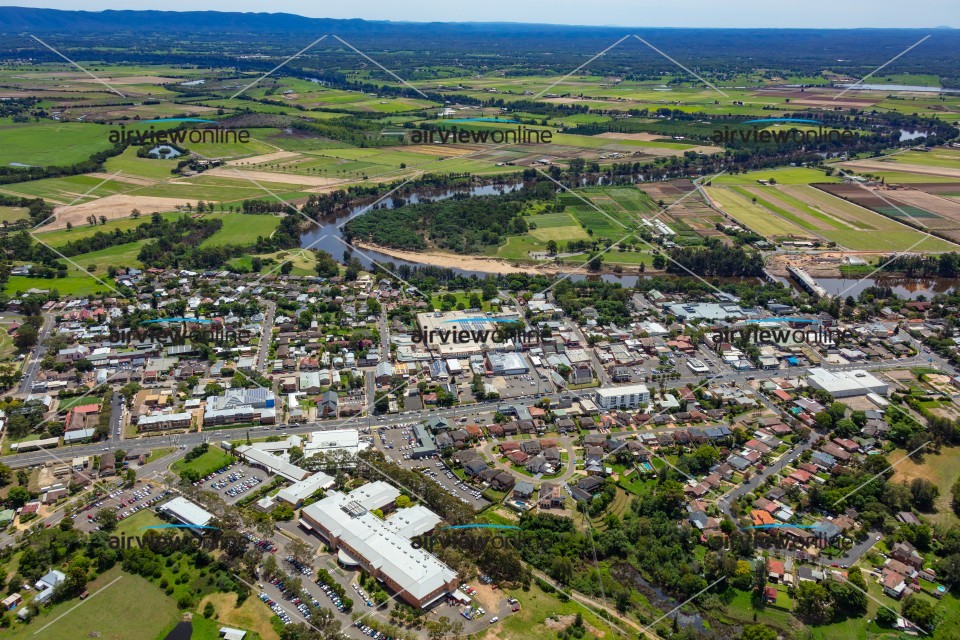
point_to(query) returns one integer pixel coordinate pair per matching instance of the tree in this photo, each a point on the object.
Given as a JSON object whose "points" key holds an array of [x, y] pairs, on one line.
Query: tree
{"points": [[924, 493], [300, 551], [286, 268], [130, 477], [813, 602], [758, 632], [18, 496], [886, 617], [6, 473], [106, 518], [919, 612], [403, 502], [760, 573], [26, 337], [552, 247]]}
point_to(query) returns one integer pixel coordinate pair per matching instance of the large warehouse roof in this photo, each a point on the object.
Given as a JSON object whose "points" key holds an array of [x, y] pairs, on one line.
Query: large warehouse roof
{"points": [[383, 545], [187, 512]]}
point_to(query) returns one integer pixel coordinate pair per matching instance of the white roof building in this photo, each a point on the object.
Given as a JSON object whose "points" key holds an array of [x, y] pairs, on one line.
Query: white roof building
{"points": [[383, 547], [187, 512], [846, 384], [300, 491]]}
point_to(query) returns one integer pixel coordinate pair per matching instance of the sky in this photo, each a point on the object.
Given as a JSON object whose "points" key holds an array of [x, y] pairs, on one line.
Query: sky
{"points": [[818, 14]]}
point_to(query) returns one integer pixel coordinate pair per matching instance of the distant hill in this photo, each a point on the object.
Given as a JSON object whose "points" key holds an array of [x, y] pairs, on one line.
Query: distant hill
{"points": [[20, 19]]}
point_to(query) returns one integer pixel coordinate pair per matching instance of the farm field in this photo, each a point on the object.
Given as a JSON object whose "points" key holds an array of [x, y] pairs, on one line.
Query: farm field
{"points": [[921, 210], [802, 211]]}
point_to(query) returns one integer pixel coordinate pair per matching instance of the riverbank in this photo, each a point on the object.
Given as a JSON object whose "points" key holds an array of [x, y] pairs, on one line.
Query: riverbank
{"points": [[486, 264]]}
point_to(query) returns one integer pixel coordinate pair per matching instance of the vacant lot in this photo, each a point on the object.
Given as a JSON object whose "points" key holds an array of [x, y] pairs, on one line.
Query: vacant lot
{"points": [[942, 470], [215, 458]]}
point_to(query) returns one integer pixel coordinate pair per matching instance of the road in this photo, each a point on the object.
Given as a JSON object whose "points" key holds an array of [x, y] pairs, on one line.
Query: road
{"points": [[32, 366], [117, 409], [266, 334]]}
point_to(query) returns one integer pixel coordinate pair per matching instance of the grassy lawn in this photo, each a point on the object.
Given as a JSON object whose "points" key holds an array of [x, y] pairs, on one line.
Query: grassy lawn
{"points": [[73, 285], [942, 470], [213, 459], [792, 175], [253, 614], [121, 255], [135, 524], [536, 607], [156, 454], [129, 609], [69, 403], [241, 229]]}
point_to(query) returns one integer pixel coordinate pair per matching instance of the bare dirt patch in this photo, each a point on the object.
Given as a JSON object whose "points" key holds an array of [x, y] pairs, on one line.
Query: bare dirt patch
{"points": [[123, 178], [267, 157], [113, 207], [269, 176], [559, 623], [443, 150], [130, 80], [646, 137]]}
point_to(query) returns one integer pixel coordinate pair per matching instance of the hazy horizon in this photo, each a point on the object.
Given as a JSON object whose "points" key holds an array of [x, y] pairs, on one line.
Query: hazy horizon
{"points": [[815, 14]]}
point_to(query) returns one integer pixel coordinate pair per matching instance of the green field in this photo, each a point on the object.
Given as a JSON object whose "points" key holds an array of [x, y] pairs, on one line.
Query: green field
{"points": [[121, 255], [791, 175], [73, 285], [207, 463], [108, 613], [241, 229], [63, 236], [60, 144]]}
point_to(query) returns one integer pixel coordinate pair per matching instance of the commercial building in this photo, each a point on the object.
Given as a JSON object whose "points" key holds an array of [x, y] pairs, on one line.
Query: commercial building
{"points": [[846, 384], [629, 396], [382, 548], [239, 406], [165, 421], [507, 364], [295, 494], [187, 512], [270, 463]]}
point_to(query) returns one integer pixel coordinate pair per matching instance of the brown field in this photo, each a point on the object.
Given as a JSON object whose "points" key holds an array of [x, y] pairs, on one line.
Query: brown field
{"points": [[113, 207], [856, 103], [130, 80], [930, 202], [442, 150], [693, 212], [900, 167], [137, 180], [646, 137], [936, 187], [252, 614], [267, 157], [269, 176]]}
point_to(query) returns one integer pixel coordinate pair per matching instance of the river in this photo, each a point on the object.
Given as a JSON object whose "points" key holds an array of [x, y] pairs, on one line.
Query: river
{"points": [[325, 234]]}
